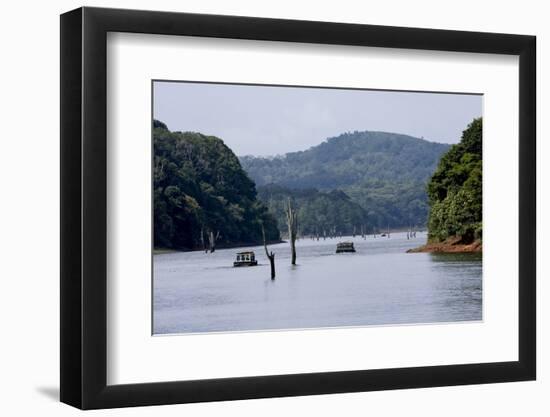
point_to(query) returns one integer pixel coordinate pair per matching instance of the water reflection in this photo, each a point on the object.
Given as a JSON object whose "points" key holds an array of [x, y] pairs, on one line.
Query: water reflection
{"points": [[456, 257]]}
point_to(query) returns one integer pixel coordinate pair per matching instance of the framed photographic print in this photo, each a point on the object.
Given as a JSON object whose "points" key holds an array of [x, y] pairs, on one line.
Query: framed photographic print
{"points": [[257, 207]]}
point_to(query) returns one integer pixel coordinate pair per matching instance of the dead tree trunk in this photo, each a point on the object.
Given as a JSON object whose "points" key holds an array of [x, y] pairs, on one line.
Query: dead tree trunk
{"points": [[292, 223], [270, 256], [203, 243], [212, 240]]}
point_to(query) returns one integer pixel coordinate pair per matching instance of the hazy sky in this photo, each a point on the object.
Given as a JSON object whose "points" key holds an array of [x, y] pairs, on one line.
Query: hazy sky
{"points": [[257, 120]]}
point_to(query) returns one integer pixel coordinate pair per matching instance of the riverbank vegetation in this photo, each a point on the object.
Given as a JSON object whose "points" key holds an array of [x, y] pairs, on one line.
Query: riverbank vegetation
{"points": [[202, 196], [455, 196]]}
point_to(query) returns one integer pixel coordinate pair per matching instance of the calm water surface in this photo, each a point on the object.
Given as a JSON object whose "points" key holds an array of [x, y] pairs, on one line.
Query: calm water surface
{"points": [[380, 284]]}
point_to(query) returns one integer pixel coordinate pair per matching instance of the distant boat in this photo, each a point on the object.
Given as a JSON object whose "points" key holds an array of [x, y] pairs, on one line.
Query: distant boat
{"points": [[344, 247], [245, 259]]}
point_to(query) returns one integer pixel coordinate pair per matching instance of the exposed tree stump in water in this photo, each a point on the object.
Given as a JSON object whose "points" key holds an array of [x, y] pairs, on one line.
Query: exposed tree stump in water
{"points": [[270, 256]]}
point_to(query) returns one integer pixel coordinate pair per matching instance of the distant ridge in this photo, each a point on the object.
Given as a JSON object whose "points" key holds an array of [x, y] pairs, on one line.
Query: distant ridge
{"points": [[386, 173]]}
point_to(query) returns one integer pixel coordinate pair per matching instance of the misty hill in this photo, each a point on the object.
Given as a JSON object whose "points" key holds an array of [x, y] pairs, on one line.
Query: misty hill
{"points": [[385, 173]]}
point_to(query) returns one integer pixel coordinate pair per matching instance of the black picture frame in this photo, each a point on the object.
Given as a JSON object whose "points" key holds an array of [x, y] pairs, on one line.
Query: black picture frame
{"points": [[84, 207]]}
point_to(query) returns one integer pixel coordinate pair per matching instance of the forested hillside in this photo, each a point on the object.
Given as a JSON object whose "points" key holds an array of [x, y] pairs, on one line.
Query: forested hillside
{"points": [[202, 196], [455, 190], [319, 213], [385, 173]]}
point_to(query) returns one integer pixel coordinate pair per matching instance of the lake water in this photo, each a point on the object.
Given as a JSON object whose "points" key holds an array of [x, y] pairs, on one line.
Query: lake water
{"points": [[380, 284]]}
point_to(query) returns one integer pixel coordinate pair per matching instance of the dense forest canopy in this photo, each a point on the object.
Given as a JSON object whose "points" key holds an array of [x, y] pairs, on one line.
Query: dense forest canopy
{"points": [[455, 190], [319, 213], [201, 191], [384, 173]]}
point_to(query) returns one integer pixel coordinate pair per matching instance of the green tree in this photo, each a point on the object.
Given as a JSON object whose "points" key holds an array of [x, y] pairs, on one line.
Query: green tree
{"points": [[200, 190], [455, 189]]}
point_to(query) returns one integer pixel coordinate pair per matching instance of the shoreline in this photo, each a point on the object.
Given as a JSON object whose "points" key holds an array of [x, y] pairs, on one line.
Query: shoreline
{"points": [[164, 251], [451, 245]]}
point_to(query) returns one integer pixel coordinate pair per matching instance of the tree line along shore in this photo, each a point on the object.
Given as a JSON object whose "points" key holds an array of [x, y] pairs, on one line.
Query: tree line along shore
{"points": [[206, 197], [455, 196]]}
